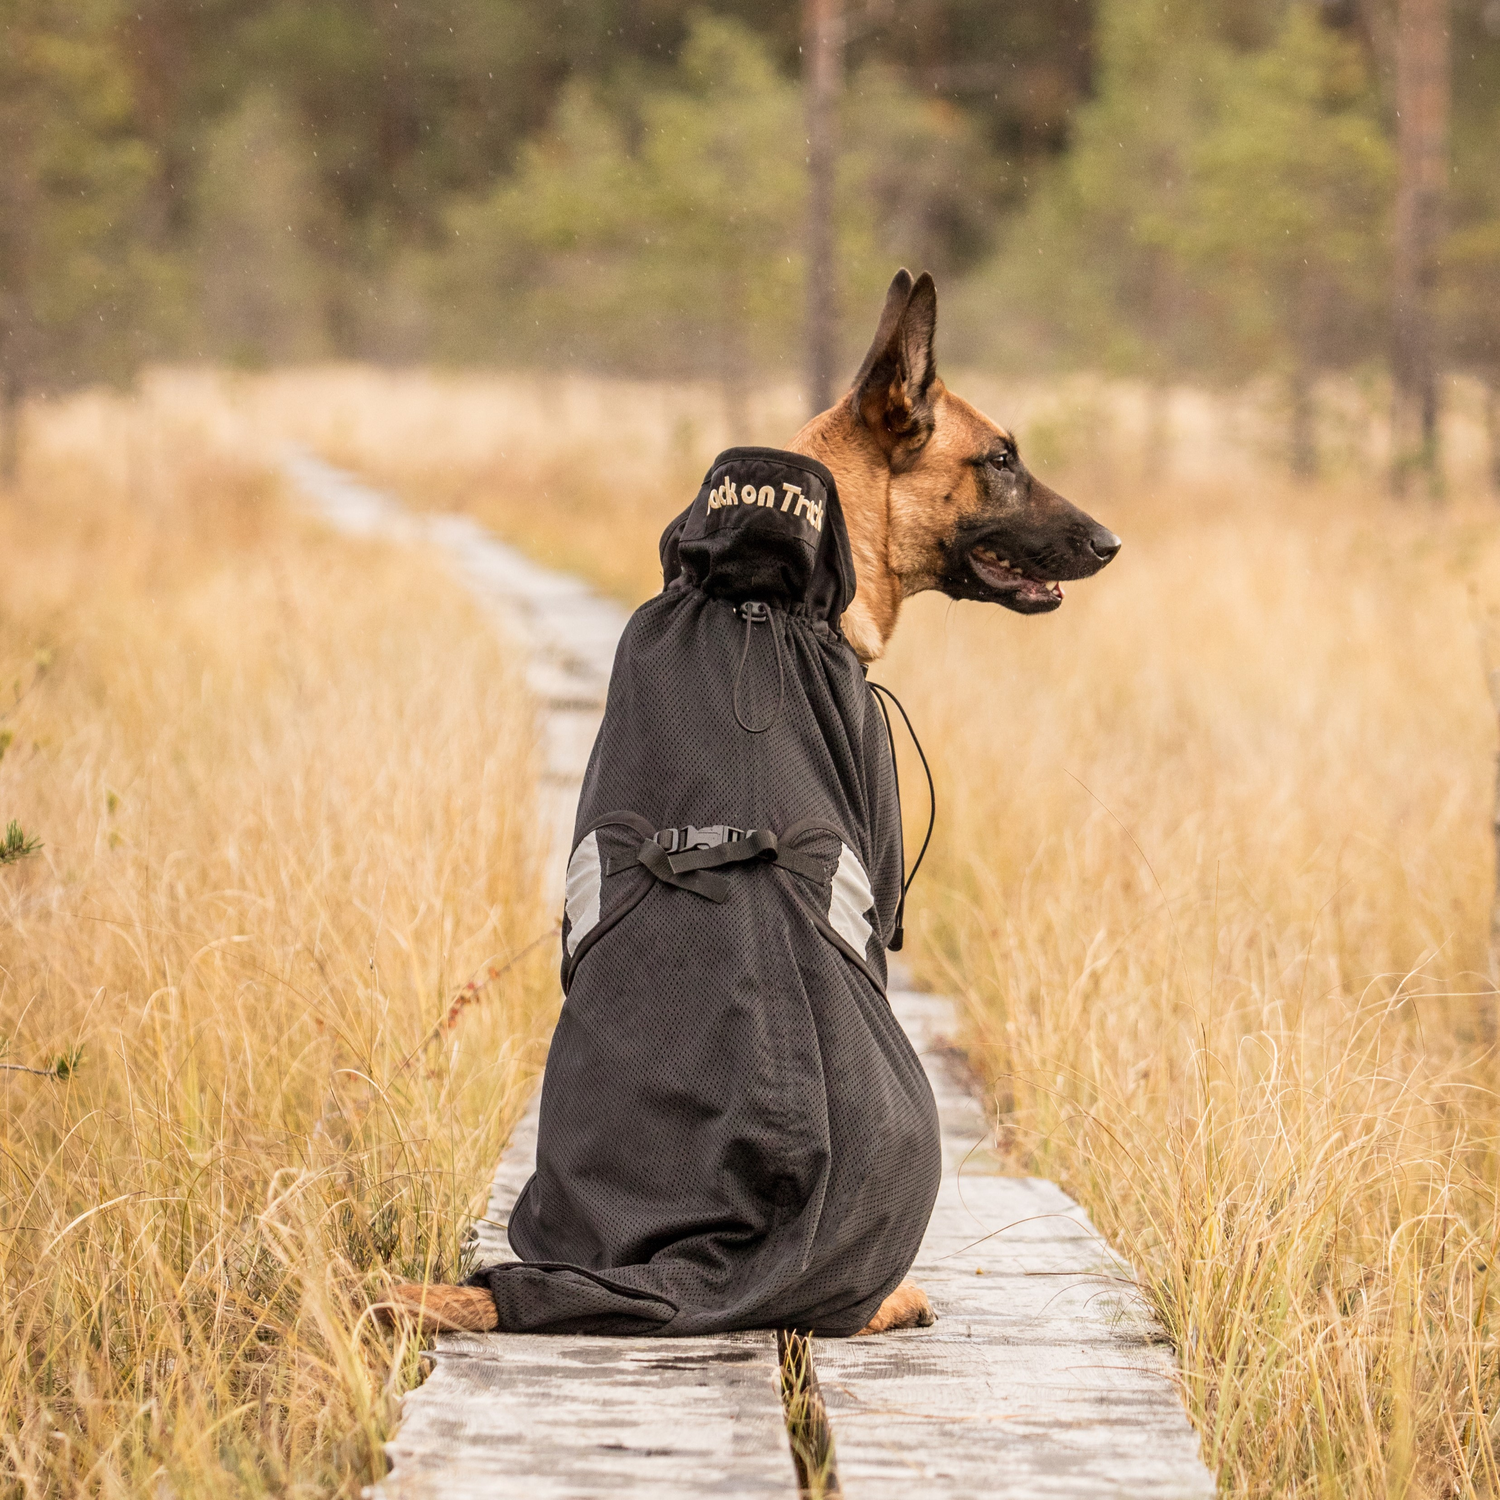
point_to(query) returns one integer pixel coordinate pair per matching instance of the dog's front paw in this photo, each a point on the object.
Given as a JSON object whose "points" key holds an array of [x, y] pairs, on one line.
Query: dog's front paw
{"points": [[436, 1308], [906, 1307]]}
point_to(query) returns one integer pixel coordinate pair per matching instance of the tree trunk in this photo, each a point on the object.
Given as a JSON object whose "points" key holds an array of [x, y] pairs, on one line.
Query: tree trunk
{"points": [[1304, 433], [822, 46], [1422, 96], [12, 398]]}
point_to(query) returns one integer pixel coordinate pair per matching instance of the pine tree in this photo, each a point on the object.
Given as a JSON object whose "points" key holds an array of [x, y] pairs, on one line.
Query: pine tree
{"points": [[1287, 213]]}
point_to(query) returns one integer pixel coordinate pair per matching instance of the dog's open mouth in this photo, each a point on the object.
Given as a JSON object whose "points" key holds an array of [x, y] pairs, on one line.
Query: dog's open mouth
{"points": [[1011, 585]]}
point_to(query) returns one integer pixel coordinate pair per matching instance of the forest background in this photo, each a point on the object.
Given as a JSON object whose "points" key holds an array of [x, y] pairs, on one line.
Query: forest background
{"points": [[1204, 190]]}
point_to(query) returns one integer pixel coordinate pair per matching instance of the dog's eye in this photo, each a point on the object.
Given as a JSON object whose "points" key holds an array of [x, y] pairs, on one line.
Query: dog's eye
{"points": [[1001, 460]]}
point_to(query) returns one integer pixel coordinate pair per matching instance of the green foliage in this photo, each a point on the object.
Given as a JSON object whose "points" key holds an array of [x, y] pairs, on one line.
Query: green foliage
{"points": [[266, 293], [406, 104], [658, 229], [16, 846], [62, 1067], [1194, 187], [66, 1064], [1092, 272], [628, 232], [1288, 210], [918, 185], [1221, 212], [1470, 285]]}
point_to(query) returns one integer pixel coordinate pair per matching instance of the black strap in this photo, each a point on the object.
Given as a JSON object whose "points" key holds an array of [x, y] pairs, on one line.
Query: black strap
{"points": [[654, 858], [761, 844], [758, 843], [689, 870]]}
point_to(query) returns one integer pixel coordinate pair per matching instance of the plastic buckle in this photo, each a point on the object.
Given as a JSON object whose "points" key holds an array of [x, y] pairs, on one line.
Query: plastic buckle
{"points": [[677, 840]]}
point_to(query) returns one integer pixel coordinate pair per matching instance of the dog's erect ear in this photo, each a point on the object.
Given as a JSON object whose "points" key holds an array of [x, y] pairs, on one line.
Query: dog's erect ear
{"points": [[891, 391]]}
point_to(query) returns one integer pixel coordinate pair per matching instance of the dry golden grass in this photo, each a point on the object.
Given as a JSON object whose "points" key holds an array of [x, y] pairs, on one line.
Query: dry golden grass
{"points": [[582, 473], [281, 783], [1214, 889], [1211, 878]]}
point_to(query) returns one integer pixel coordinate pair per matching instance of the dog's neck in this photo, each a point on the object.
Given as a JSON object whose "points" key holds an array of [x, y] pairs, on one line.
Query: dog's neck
{"points": [[860, 469]]}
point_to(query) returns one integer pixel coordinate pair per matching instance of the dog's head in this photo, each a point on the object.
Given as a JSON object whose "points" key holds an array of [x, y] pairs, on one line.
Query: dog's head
{"points": [[935, 493]]}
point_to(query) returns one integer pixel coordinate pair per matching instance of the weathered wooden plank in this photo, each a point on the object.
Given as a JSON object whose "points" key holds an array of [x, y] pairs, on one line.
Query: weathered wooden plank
{"points": [[584, 1416], [1045, 1374]]}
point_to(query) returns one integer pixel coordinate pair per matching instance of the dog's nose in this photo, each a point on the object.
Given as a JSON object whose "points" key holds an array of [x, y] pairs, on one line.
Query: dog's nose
{"points": [[1104, 544]]}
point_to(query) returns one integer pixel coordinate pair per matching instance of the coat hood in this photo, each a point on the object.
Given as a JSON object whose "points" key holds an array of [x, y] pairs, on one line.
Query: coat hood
{"points": [[765, 524]]}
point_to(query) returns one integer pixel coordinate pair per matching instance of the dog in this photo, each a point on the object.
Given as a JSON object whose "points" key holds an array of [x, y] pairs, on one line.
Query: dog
{"points": [[909, 488]]}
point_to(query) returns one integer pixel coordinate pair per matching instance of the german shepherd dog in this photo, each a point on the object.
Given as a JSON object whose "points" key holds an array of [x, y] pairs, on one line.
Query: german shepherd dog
{"points": [[935, 496]]}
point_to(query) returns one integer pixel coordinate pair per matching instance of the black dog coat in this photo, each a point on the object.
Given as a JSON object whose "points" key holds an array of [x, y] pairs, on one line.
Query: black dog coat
{"points": [[735, 1131]]}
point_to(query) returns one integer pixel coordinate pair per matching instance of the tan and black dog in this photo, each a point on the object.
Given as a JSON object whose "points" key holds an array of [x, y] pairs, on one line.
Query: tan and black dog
{"points": [[935, 496], [934, 493]]}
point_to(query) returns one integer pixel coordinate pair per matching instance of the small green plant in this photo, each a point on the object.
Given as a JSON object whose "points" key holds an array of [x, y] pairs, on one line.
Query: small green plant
{"points": [[66, 1064], [63, 1067], [806, 1418], [16, 846]]}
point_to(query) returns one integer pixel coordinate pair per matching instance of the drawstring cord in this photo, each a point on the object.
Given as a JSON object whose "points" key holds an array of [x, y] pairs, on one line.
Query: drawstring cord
{"points": [[898, 937], [754, 610]]}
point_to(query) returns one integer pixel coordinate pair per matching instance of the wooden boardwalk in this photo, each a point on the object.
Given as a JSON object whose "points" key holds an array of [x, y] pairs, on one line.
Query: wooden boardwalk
{"points": [[1045, 1374]]}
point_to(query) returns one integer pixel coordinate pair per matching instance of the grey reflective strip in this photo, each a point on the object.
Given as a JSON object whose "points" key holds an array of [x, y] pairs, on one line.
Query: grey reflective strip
{"points": [[583, 890], [852, 898]]}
